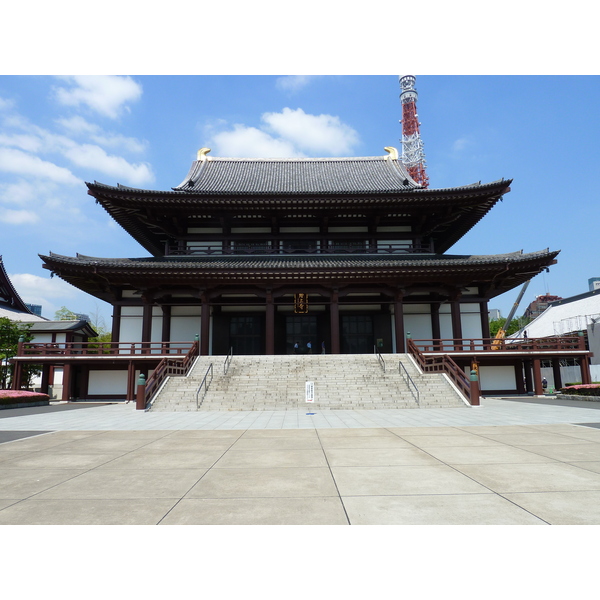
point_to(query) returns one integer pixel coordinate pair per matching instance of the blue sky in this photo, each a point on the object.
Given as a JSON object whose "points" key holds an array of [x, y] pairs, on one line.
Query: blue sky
{"points": [[144, 131]]}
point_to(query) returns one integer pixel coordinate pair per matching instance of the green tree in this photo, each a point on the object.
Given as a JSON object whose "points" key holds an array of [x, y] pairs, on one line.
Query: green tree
{"points": [[10, 332], [64, 314], [104, 335], [515, 325]]}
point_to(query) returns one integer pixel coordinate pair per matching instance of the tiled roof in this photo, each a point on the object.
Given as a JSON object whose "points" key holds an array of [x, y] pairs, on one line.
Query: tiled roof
{"points": [[10, 299], [297, 176], [297, 262], [17, 315]]}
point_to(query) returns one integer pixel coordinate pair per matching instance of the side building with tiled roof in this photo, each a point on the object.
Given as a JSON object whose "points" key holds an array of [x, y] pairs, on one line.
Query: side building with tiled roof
{"points": [[259, 255]]}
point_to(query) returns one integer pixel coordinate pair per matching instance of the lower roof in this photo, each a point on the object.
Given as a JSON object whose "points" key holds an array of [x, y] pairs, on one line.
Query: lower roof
{"points": [[104, 277]]}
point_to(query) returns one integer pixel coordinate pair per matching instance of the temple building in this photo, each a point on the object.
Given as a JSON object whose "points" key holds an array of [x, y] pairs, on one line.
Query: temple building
{"points": [[260, 256]]}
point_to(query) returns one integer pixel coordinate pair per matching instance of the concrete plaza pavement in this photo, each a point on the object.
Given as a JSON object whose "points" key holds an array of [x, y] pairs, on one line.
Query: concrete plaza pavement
{"points": [[510, 461]]}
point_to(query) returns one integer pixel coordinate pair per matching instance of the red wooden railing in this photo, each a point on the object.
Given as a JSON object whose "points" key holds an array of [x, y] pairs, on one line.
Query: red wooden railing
{"points": [[443, 364], [548, 344], [104, 349], [169, 367]]}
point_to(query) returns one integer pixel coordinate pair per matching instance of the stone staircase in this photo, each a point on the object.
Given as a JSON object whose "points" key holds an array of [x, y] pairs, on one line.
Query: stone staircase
{"points": [[341, 381]]}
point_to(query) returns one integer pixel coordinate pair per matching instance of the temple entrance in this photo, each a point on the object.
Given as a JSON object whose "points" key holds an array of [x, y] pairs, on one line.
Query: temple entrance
{"points": [[245, 334], [357, 334], [301, 329]]}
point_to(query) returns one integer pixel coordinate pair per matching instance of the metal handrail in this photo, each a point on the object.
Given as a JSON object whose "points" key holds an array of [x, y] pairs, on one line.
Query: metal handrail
{"points": [[204, 383], [409, 381], [227, 362], [379, 357]]}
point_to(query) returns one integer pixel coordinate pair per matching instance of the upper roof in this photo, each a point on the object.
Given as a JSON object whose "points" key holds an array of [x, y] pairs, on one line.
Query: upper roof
{"points": [[356, 175], [270, 188]]}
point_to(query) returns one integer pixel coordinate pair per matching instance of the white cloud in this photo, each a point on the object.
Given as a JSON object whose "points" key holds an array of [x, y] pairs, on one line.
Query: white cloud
{"points": [[18, 162], [30, 285], [90, 156], [6, 104], [288, 134], [292, 83], [461, 144], [29, 143], [78, 126], [250, 142], [312, 133], [19, 193], [107, 95], [94, 157], [18, 217], [50, 293]]}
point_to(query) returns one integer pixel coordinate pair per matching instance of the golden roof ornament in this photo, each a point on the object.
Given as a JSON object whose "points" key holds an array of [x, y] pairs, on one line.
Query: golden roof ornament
{"points": [[202, 154], [392, 153]]}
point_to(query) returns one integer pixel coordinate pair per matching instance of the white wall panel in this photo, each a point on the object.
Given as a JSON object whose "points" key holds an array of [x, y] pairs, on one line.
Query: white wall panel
{"points": [[497, 378], [184, 328], [107, 382], [419, 326]]}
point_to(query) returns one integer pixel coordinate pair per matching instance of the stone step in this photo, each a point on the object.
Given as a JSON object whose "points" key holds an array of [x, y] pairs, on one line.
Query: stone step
{"points": [[278, 383]]}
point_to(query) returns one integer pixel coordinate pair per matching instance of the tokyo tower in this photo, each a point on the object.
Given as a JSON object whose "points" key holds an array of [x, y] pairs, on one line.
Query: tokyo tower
{"points": [[413, 156]]}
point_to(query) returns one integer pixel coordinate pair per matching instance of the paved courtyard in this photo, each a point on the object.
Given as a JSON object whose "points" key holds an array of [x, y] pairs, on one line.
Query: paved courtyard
{"points": [[525, 462]]}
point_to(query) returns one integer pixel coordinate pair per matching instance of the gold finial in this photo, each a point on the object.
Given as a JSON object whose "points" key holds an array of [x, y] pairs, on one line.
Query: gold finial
{"points": [[393, 153], [202, 154]]}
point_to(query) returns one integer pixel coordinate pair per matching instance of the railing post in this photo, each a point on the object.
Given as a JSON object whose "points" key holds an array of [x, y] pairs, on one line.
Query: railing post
{"points": [[140, 398], [474, 388]]}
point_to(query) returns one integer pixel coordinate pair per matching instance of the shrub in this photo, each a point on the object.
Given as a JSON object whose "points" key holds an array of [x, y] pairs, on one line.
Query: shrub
{"points": [[589, 389], [21, 397]]}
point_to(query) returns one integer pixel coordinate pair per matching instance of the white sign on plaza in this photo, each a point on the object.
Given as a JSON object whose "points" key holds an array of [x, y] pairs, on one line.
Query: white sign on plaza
{"points": [[310, 391]]}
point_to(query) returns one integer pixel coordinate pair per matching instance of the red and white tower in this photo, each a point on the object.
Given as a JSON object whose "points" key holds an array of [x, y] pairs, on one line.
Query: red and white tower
{"points": [[413, 156]]}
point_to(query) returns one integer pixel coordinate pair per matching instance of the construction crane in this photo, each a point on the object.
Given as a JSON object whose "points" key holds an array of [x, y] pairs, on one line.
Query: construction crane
{"points": [[413, 155], [497, 343]]}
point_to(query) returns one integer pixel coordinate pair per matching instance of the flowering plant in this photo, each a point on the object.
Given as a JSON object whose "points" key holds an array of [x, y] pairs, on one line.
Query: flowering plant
{"points": [[582, 389], [20, 396]]}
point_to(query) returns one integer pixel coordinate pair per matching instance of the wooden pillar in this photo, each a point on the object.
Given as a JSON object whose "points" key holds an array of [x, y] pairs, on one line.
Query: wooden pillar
{"points": [[166, 323], [485, 320], [270, 325], [475, 385], [131, 383], [116, 323], [205, 326], [84, 381], [456, 324], [537, 378], [17, 375], [435, 323], [584, 367], [146, 327], [519, 377], [556, 372], [399, 323], [67, 382], [528, 378], [334, 318]]}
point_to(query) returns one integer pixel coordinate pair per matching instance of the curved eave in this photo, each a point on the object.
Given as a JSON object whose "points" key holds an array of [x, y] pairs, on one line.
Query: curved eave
{"points": [[130, 207], [14, 302], [125, 193], [100, 277]]}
